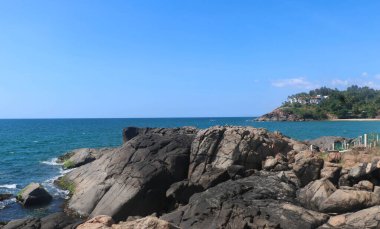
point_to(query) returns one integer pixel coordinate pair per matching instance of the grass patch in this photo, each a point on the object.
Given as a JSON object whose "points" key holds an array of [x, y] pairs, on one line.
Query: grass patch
{"points": [[68, 164], [324, 155], [65, 184]]}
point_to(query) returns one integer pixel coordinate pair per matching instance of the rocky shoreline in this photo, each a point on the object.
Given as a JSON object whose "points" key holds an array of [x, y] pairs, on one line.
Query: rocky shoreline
{"points": [[220, 177]]}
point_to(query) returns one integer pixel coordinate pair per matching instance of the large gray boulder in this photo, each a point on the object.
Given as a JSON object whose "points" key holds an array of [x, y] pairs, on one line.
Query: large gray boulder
{"points": [[342, 201], [312, 195], [263, 201], [368, 218], [34, 194], [133, 179]]}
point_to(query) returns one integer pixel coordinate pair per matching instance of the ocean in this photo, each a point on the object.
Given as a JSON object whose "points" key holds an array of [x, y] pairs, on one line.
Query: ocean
{"points": [[29, 148]]}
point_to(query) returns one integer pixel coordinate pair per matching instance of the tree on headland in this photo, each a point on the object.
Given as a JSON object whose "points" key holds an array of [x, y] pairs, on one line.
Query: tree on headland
{"points": [[354, 102]]}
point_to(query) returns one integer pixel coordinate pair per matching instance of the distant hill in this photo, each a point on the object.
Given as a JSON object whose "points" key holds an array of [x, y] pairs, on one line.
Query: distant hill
{"points": [[325, 103]]}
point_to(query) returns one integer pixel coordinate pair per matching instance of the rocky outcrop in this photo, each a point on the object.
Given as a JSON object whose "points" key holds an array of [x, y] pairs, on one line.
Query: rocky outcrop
{"points": [[82, 156], [216, 149], [280, 114], [220, 177], [56, 220], [132, 179], [155, 167], [258, 201], [34, 194]]}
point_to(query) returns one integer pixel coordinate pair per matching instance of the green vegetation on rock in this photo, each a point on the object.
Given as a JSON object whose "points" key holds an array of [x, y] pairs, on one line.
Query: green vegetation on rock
{"points": [[325, 103], [68, 164], [65, 184], [19, 194]]}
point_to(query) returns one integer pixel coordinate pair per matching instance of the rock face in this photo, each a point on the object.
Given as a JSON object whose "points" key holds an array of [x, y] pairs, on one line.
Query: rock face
{"points": [[56, 220], [280, 114], [133, 179], [252, 202], [81, 157], [307, 167], [34, 194], [216, 149]]}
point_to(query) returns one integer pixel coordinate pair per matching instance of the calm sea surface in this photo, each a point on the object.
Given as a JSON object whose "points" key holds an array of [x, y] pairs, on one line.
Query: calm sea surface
{"points": [[28, 148]]}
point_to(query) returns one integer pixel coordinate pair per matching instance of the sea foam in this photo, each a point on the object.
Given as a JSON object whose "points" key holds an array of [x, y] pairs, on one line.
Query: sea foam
{"points": [[51, 162], [9, 186]]}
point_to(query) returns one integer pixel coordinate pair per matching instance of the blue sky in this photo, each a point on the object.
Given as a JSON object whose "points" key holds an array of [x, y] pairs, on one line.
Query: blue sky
{"points": [[179, 58]]}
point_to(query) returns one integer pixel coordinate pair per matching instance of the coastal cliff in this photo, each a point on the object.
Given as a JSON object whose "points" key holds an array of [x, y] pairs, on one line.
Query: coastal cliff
{"points": [[219, 177], [281, 115]]}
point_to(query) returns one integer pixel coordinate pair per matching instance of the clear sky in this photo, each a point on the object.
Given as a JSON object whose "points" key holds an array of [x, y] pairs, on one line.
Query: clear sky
{"points": [[179, 58]]}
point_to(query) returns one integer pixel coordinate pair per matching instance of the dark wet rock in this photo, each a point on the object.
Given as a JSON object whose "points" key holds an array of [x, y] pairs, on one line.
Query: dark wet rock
{"points": [[181, 192], [34, 194], [133, 179], [82, 156], [252, 202], [53, 221], [307, 167], [366, 171], [368, 218], [342, 201], [344, 180], [315, 193], [5, 196]]}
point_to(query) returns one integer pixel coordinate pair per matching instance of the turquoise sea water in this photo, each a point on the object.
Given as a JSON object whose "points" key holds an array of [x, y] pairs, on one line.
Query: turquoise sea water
{"points": [[28, 148]]}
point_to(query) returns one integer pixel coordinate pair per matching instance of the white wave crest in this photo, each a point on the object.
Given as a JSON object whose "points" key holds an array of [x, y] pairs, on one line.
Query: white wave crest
{"points": [[51, 162], [9, 186], [5, 203]]}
